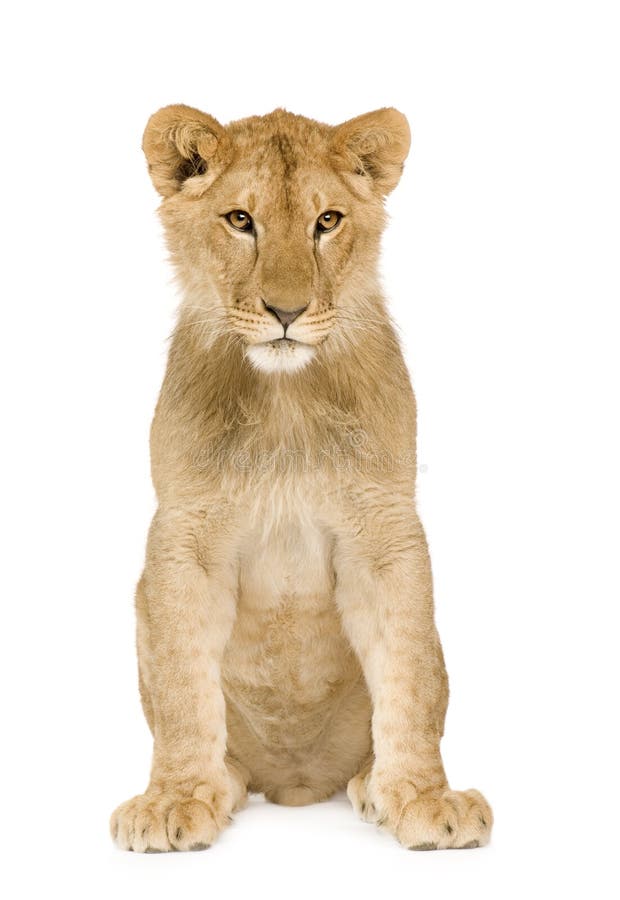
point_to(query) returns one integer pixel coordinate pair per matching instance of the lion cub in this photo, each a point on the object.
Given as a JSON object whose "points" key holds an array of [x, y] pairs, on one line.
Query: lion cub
{"points": [[285, 626]]}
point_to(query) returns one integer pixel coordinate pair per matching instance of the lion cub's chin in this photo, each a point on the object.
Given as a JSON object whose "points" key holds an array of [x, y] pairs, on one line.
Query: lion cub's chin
{"points": [[280, 356]]}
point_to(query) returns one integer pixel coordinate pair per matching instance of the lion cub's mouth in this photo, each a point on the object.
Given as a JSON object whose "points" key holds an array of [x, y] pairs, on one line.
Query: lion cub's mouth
{"points": [[280, 355], [282, 341]]}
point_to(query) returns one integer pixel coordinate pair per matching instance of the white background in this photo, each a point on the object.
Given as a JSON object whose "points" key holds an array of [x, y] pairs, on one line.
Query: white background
{"points": [[501, 263]]}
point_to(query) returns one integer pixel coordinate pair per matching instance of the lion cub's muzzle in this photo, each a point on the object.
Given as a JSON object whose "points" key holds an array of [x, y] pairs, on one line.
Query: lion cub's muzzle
{"points": [[286, 317]]}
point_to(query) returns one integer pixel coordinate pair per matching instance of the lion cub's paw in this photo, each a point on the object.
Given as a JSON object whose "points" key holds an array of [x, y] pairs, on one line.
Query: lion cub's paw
{"points": [[431, 821], [163, 820], [452, 820]]}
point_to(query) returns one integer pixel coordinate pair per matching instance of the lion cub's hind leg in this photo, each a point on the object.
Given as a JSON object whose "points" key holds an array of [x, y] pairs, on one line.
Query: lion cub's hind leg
{"points": [[240, 778], [357, 792]]}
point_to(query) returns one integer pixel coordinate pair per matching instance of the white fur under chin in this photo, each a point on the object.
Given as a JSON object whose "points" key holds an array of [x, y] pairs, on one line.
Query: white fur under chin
{"points": [[280, 356]]}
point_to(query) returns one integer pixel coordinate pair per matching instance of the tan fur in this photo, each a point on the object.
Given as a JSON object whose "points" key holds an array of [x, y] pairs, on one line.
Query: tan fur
{"points": [[286, 635]]}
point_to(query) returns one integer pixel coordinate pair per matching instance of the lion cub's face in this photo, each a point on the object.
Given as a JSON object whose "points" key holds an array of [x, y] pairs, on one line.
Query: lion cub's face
{"points": [[274, 223]]}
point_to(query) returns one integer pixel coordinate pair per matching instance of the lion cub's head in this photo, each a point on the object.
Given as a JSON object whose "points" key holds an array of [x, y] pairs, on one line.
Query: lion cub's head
{"points": [[274, 224]]}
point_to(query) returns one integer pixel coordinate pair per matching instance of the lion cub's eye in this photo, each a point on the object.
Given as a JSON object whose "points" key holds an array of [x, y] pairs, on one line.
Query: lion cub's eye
{"points": [[328, 221], [240, 220]]}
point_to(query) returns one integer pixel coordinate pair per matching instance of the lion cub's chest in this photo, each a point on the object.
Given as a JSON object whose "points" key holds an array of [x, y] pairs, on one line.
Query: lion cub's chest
{"points": [[287, 643]]}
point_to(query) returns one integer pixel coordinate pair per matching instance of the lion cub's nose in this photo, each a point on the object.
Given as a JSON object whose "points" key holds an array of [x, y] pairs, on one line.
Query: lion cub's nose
{"points": [[285, 316]]}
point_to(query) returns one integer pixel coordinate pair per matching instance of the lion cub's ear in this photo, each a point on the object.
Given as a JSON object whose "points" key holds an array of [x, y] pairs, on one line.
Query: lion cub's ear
{"points": [[179, 143], [375, 145]]}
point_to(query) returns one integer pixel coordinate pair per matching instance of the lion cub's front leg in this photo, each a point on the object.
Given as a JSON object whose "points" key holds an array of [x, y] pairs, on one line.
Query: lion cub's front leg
{"points": [[384, 595], [185, 612]]}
